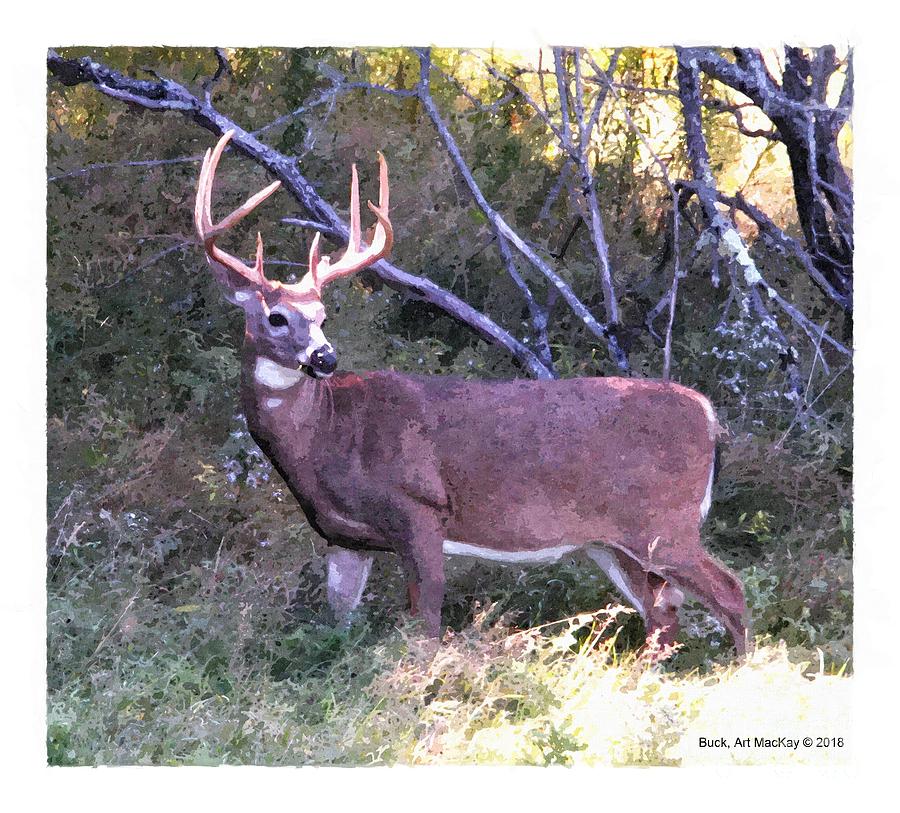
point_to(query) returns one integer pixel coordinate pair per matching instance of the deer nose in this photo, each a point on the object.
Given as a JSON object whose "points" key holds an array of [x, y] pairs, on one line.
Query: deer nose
{"points": [[323, 360]]}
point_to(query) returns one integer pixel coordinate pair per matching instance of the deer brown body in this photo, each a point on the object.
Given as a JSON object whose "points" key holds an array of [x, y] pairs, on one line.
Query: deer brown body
{"points": [[516, 471]]}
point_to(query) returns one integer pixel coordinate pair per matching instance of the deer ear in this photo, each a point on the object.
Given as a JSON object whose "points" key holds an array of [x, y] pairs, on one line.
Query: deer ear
{"points": [[248, 299], [241, 297], [234, 286]]}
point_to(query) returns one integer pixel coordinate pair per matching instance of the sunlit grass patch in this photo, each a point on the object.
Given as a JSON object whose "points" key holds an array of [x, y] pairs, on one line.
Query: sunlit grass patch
{"points": [[225, 654], [230, 681], [568, 698]]}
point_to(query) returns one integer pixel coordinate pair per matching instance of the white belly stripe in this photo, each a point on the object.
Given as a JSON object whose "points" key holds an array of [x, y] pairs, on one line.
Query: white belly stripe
{"points": [[510, 557]]}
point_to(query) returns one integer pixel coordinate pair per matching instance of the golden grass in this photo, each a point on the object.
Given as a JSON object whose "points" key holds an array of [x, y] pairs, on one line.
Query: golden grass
{"points": [[527, 698]]}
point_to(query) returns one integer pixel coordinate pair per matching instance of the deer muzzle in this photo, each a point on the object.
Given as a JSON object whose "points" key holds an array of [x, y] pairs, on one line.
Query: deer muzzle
{"points": [[323, 361]]}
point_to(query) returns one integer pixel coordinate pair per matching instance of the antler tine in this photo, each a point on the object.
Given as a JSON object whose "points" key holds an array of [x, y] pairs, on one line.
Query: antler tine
{"points": [[204, 188], [200, 209], [384, 232], [209, 231], [248, 206], [355, 233], [355, 258], [384, 189], [315, 256]]}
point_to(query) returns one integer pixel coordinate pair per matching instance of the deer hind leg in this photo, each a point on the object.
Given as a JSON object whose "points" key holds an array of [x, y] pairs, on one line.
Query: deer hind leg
{"points": [[348, 572], [650, 594], [716, 587]]}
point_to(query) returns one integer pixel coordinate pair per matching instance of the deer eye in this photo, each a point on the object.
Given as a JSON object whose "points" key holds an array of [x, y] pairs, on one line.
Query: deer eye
{"points": [[277, 320]]}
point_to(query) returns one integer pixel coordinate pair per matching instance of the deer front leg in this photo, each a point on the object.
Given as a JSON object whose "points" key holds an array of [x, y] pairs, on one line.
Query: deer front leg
{"points": [[348, 571], [423, 560]]}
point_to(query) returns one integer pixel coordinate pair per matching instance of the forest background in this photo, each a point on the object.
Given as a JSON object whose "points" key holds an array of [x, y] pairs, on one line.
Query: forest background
{"points": [[534, 189]]}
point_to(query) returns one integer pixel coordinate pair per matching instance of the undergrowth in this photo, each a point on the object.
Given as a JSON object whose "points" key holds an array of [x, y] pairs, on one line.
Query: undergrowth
{"points": [[186, 613], [187, 625], [139, 678]]}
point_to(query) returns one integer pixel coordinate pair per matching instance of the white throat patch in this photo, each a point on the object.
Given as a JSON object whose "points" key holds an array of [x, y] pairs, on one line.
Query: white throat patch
{"points": [[274, 376]]}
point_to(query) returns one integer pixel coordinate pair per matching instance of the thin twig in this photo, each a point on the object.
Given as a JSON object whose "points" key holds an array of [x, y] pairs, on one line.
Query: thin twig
{"points": [[812, 403], [154, 259], [188, 159], [112, 629]]}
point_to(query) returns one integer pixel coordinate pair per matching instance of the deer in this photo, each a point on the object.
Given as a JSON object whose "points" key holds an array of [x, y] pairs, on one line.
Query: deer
{"points": [[619, 470]]}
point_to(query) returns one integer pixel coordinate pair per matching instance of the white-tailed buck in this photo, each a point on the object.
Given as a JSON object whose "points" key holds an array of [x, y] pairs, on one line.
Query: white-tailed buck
{"points": [[423, 466]]}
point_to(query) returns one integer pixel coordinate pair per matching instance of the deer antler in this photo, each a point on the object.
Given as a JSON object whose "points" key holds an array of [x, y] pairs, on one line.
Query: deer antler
{"points": [[210, 231], [355, 258], [321, 271]]}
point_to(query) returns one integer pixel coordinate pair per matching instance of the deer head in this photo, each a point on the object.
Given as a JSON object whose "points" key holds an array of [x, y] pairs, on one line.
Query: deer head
{"points": [[284, 322]]}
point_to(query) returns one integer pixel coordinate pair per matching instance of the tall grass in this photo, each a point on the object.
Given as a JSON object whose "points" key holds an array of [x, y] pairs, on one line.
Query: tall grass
{"points": [[187, 622], [232, 660]]}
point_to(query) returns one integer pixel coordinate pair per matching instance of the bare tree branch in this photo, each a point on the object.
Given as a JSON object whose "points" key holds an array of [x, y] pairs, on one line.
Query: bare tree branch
{"points": [[665, 299], [539, 315], [728, 239], [673, 291], [808, 127], [73, 173], [179, 246], [577, 152], [594, 220], [223, 69], [493, 107], [308, 224], [501, 227], [785, 243]]}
